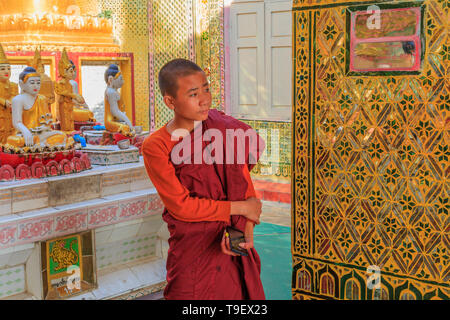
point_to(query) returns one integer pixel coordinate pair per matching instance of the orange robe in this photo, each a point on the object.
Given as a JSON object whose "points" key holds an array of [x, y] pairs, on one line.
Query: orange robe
{"points": [[31, 119], [8, 90], [196, 267], [111, 122], [156, 150], [65, 94]]}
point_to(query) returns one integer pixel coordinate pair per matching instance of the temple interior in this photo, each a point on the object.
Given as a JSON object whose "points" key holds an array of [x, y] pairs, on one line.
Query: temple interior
{"points": [[351, 98]]}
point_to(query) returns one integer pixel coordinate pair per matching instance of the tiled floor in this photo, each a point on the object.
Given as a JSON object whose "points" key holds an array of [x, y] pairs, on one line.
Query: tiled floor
{"points": [[273, 243], [119, 280]]}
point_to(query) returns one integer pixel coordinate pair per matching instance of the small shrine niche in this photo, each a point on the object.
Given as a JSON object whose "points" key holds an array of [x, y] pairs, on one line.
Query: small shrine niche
{"points": [[92, 81], [68, 267], [384, 39]]}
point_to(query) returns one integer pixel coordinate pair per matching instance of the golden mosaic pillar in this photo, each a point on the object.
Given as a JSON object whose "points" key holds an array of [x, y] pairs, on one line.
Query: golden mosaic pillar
{"points": [[209, 46], [131, 27], [171, 36], [371, 164]]}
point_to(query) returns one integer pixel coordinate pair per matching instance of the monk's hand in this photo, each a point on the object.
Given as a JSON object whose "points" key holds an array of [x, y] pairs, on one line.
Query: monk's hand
{"points": [[225, 245], [8, 104], [254, 209], [248, 244]]}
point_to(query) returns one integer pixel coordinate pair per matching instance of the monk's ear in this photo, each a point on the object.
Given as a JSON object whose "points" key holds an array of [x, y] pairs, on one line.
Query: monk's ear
{"points": [[21, 84], [169, 101]]}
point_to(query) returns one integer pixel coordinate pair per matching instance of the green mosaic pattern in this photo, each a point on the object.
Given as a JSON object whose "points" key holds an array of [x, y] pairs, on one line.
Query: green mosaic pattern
{"points": [[130, 28], [12, 281], [272, 168], [171, 31], [126, 251], [209, 46]]}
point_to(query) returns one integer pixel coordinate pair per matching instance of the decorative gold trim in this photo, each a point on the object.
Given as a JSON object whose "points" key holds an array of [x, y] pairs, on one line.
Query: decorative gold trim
{"points": [[30, 75], [3, 57], [56, 31]]}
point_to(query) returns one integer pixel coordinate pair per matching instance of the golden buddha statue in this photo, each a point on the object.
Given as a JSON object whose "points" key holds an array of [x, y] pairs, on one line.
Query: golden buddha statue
{"points": [[116, 121], [8, 90], [65, 94], [31, 118], [81, 112], [47, 85]]}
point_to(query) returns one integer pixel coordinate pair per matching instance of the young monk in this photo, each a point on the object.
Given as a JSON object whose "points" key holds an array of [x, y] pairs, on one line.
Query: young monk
{"points": [[201, 199]]}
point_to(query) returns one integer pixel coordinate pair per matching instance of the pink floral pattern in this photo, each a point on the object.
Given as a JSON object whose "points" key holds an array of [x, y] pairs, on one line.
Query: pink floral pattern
{"points": [[103, 216], [7, 235], [76, 220], [71, 222], [35, 230], [133, 209]]}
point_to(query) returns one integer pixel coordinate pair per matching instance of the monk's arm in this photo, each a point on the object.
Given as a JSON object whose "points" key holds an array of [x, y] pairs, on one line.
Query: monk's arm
{"points": [[176, 197]]}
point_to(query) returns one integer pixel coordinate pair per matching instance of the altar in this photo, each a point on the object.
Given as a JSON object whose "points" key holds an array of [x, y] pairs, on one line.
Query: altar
{"points": [[115, 209]]}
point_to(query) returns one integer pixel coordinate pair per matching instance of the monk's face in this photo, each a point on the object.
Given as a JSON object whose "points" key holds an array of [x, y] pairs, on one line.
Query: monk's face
{"points": [[5, 72], [193, 98], [32, 86]]}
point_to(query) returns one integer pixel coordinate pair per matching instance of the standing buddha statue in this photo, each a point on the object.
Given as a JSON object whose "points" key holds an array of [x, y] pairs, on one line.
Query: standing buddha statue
{"points": [[47, 85], [8, 90], [65, 94], [116, 121]]}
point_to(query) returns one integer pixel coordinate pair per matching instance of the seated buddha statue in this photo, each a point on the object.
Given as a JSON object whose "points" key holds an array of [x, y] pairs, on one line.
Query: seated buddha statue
{"points": [[32, 119], [8, 90], [81, 112], [65, 95], [116, 121]]}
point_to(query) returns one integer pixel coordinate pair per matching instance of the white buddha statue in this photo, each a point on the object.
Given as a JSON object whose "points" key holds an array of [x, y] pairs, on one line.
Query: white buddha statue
{"points": [[116, 121], [32, 118]]}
